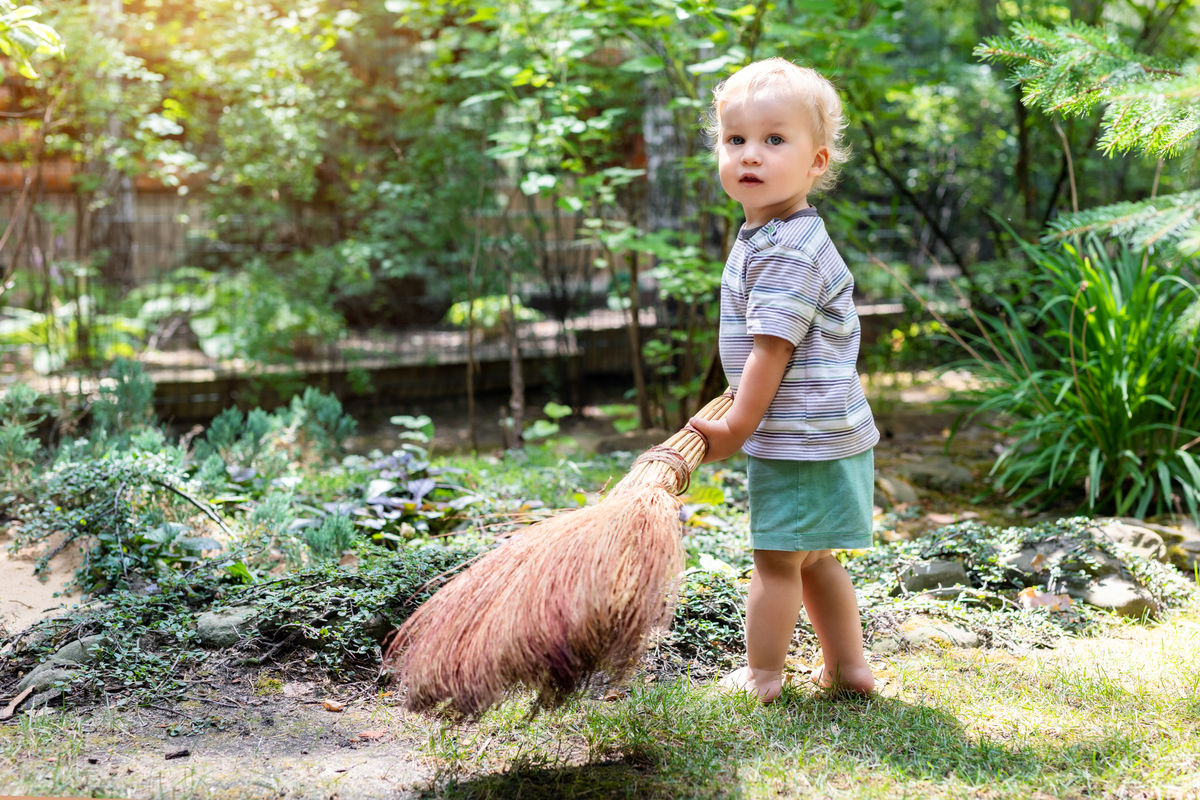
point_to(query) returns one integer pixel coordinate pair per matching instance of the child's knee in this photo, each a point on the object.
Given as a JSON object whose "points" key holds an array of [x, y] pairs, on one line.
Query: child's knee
{"points": [[782, 563], [818, 559]]}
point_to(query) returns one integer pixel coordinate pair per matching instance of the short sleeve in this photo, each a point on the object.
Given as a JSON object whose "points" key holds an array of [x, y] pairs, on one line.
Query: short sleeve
{"points": [[784, 289]]}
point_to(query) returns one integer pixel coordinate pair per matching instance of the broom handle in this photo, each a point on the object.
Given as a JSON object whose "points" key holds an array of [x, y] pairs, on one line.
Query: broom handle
{"points": [[689, 444]]}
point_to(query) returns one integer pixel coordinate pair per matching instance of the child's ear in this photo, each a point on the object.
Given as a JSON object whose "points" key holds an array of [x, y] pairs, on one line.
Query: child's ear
{"points": [[820, 162]]}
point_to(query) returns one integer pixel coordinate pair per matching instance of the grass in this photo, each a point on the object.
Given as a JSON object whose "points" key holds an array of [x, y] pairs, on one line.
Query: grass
{"points": [[1101, 717]]}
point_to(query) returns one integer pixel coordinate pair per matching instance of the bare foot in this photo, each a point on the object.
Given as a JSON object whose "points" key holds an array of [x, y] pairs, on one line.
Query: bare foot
{"points": [[763, 684], [856, 679]]}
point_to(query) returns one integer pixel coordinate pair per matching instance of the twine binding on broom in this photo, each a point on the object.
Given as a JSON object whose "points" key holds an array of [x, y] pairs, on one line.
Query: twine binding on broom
{"points": [[568, 597]]}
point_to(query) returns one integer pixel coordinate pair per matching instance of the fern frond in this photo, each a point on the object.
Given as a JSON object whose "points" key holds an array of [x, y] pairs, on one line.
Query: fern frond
{"points": [[1172, 218], [1153, 105]]}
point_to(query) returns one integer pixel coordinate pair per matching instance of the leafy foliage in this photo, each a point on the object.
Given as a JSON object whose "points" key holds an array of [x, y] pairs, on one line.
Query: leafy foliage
{"points": [[21, 38], [1152, 105], [1096, 381], [17, 445]]}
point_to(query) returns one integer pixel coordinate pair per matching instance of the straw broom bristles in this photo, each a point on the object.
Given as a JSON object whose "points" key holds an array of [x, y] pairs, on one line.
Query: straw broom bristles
{"points": [[568, 597]]}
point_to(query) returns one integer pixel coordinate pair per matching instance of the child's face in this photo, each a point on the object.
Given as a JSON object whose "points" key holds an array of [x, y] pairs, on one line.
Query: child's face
{"points": [[766, 158]]}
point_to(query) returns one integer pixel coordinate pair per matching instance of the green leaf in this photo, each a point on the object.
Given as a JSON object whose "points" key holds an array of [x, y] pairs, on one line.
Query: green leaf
{"points": [[540, 429], [645, 65], [710, 495], [482, 97], [556, 411]]}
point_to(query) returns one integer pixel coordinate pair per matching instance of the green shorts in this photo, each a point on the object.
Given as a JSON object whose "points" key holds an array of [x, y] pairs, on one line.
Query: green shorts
{"points": [[811, 505]]}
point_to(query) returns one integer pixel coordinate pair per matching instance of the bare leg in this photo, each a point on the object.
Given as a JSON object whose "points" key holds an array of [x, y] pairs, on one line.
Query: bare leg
{"points": [[776, 594], [833, 609]]}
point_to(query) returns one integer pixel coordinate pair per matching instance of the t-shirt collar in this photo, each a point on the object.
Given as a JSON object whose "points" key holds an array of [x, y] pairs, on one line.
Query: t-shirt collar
{"points": [[807, 211]]}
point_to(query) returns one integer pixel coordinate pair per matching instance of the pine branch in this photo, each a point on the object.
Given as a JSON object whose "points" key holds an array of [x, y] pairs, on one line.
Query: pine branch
{"points": [[1173, 218], [1152, 105]]}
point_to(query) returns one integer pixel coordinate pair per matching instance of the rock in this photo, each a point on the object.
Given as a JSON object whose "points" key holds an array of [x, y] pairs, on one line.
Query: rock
{"points": [[378, 627], [885, 646], [1184, 531], [1115, 593], [941, 475], [881, 499], [633, 441], [224, 627], [80, 651], [897, 490], [934, 574], [1034, 559], [43, 677], [922, 631], [1133, 539], [58, 666], [1185, 555]]}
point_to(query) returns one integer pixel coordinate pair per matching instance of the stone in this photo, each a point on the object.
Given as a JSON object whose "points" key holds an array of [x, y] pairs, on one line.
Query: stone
{"points": [[933, 575], [1034, 559], [632, 441], [43, 677], [923, 631], [885, 646], [58, 666], [224, 627], [1133, 539], [941, 475], [378, 627], [881, 499], [897, 490], [1115, 593], [1185, 555]]}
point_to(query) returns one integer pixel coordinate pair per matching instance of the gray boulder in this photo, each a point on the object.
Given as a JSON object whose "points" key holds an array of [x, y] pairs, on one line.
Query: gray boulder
{"points": [[58, 666], [924, 631], [226, 626], [1185, 555], [1115, 593], [941, 475], [925, 575], [1034, 559], [897, 490], [1134, 539]]}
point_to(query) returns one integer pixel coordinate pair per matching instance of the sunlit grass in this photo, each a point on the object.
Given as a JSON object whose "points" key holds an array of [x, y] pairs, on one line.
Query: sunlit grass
{"points": [[1096, 717]]}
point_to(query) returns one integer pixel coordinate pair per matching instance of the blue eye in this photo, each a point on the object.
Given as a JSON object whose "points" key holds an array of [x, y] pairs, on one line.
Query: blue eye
{"points": [[736, 140], [774, 140]]}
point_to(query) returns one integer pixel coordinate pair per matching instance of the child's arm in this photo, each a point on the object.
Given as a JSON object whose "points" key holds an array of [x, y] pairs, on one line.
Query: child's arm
{"points": [[760, 381]]}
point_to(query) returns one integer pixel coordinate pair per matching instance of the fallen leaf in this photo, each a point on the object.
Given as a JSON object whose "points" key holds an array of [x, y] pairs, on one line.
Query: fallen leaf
{"points": [[942, 519], [11, 708], [372, 734], [966, 515], [1038, 561], [612, 695], [184, 753], [1032, 597], [834, 729], [348, 559], [334, 705]]}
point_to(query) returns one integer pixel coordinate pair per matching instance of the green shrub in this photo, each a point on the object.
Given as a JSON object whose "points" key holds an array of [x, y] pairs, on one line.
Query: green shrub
{"points": [[18, 447], [126, 405], [1096, 381], [331, 537]]}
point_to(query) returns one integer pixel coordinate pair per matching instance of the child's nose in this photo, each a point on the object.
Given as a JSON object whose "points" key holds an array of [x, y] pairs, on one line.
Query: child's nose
{"points": [[750, 155]]}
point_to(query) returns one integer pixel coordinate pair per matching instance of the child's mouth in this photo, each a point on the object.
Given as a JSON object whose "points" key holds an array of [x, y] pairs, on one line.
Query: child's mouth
{"points": [[749, 180]]}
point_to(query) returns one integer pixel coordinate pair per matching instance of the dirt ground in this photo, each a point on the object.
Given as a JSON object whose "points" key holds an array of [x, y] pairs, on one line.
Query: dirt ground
{"points": [[240, 744]]}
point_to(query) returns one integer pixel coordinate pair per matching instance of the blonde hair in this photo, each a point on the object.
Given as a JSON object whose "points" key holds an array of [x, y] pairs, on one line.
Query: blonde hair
{"points": [[814, 91]]}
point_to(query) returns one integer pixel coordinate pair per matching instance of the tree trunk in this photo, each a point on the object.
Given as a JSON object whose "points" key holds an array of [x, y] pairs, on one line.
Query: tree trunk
{"points": [[516, 401], [635, 343]]}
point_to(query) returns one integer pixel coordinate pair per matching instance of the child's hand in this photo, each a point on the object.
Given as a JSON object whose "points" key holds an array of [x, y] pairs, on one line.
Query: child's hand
{"points": [[722, 442]]}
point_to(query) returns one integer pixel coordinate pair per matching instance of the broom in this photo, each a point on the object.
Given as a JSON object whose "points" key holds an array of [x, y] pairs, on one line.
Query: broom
{"points": [[569, 597]]}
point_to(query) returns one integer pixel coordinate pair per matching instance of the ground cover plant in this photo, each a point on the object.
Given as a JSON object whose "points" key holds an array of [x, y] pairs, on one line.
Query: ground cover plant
{"points": [[322, 554]]}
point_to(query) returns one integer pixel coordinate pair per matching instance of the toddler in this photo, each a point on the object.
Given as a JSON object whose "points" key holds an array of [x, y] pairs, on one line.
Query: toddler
{"points": [[789, 340]]}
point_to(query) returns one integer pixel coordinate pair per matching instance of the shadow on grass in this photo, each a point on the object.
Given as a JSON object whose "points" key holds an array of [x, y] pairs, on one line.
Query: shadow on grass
{"points": [[674, 742]]}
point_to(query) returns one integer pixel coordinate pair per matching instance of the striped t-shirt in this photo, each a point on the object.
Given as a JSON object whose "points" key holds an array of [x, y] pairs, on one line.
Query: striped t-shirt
{"points": [[787, 279]]}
